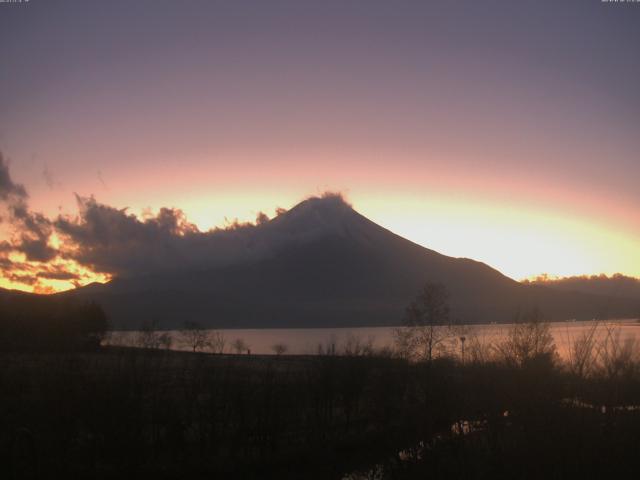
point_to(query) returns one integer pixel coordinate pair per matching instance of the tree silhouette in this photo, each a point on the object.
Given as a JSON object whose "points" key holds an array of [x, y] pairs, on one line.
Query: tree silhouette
{"points": [[279, 348], [35, 323], [239, 345], [217, 342], [93, 324], [426, 324], [148, 336], [194, 336], [528, 339]]}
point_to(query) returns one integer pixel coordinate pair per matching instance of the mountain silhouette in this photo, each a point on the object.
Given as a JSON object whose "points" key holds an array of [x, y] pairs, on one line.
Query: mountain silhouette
{"points": [[322, 264], [617, 285]]}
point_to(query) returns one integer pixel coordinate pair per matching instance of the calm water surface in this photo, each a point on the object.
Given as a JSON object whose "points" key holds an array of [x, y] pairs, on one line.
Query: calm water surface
{"points": [[304, 341]]}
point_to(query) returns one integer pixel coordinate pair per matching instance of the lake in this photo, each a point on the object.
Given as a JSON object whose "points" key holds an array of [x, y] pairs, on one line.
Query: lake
{"points": [[305, 341]]}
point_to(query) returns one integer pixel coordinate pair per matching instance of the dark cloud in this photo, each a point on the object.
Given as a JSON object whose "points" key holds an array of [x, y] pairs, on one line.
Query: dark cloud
{"points": [[113, 241], [19, 272], [110, 240], [5, 264], [29, 273], [9, 191], [24, 278], [58, 274], [36, 249], [33, 232], [5, 247], [261, 218], [30, 231]]}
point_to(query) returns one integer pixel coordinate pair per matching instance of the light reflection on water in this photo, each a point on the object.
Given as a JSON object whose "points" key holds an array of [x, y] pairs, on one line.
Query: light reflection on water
{"points": [[306, 341]]}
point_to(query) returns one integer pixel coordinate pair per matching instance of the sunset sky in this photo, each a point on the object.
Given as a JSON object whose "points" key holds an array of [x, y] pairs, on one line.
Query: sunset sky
{"points": [[503, 131]]}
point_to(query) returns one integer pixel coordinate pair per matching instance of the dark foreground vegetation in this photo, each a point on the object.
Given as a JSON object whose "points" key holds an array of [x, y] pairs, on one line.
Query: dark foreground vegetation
{"points": [[32, 323], [440, 404], [132, 413]]}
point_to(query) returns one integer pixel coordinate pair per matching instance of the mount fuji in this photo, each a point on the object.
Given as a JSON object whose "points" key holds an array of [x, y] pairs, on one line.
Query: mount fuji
{"points": [[322, 264]]}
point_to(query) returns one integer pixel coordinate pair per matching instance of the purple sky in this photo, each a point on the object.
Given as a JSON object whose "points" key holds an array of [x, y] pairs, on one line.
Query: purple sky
{"points": [[516, 122]]}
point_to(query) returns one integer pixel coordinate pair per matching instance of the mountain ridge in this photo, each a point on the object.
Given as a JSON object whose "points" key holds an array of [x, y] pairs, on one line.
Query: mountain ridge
{"points": [[617, 285], [319, 264]]}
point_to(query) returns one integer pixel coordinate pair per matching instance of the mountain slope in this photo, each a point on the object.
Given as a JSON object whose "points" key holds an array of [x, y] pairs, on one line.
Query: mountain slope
{"points": [[323, 264]]}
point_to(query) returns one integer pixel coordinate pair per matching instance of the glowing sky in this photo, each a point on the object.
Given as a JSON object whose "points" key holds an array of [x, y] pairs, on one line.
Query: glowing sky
{"points": [[502, 131]]}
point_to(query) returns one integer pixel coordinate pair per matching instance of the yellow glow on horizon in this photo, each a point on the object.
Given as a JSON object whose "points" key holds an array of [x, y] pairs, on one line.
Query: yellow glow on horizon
{"points": [[518, 242], [49, 285], [523, 223], [521, 241]]}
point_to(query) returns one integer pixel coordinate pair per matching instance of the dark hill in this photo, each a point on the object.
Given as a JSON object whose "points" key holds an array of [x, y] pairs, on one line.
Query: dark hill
{"points": [[30, 322], [323, 264], [617, 286]]}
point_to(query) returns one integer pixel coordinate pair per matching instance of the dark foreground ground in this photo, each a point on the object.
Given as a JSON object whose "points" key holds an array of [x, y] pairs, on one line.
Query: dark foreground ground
{"points": [[164, 415]]}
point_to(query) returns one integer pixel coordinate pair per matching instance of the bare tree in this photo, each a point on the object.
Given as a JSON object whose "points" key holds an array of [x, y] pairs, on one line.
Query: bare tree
{"points": [[427, 324], [582, 352], [194, 336], [477, 349], [165, 340], [330, 346], [217, 342], [279, 348], [239, 345], [528, 339], [356, 347], [616, 357], [148, 337]]}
